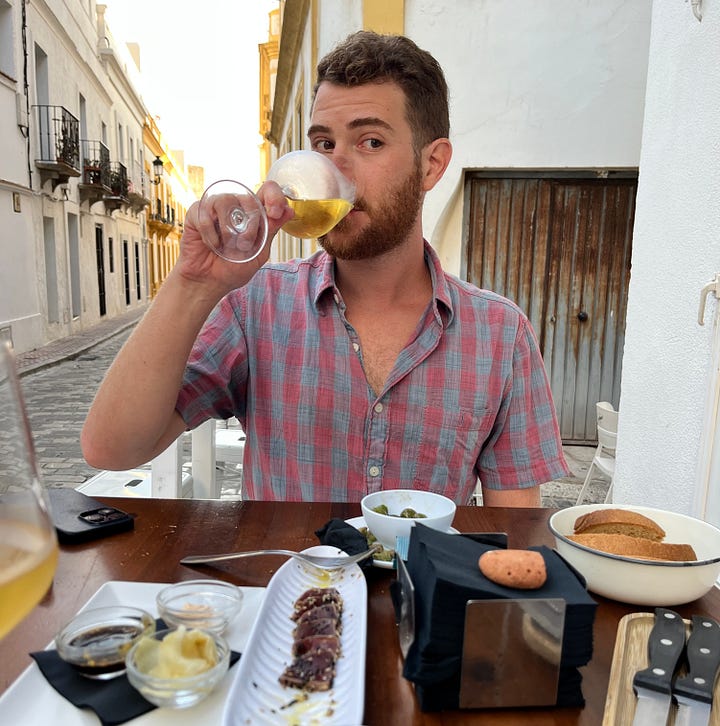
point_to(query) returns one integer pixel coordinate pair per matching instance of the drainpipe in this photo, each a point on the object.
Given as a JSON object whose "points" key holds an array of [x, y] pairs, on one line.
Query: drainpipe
{"points": [[25, 130]]}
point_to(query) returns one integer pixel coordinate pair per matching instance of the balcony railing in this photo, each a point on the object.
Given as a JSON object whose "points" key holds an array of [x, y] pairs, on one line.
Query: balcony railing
{"points": [[95, 182], [159, 222], [118, 195], [138, 188], [58, 143], [96, 164], [118, 180]]}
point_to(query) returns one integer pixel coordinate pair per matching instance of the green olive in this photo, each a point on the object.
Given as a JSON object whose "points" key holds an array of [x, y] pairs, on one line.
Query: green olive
{"points": [[409, 513]]}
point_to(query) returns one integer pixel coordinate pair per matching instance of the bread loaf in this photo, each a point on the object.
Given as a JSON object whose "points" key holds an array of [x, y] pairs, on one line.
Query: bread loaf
{"points": [[521, 569], [627, 546], [619, 521]]}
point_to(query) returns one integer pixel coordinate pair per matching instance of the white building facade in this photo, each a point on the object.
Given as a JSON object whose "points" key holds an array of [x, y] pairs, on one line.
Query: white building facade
{"points": [[73, 187]]}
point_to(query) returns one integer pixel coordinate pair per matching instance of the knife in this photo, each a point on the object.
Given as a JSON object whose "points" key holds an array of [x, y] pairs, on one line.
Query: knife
{"points": [[694, 692], [653, 685]]}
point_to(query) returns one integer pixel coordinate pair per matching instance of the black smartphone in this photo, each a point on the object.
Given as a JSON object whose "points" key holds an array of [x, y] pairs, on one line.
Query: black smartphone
{"points": [[79, 518]]}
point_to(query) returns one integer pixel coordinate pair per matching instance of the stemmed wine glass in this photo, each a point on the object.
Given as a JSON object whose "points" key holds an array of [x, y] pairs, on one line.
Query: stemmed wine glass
{"points": [[28, 545], [232, 220]]}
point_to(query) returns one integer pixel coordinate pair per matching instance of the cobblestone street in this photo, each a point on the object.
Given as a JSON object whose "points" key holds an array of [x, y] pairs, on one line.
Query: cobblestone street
{"points": [[58, 398], [59, 383]]}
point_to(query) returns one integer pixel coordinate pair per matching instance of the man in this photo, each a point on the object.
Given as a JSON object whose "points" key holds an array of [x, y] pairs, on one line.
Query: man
{"points": [[363, 367]]}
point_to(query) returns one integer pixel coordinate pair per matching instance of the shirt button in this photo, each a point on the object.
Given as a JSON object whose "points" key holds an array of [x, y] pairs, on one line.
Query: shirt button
{"points": [[356, 346], [374, 470], [378, 408]]}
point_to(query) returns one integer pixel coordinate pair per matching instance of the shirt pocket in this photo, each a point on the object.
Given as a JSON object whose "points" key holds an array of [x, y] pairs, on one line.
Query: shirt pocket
{"points": [[447, 449]]}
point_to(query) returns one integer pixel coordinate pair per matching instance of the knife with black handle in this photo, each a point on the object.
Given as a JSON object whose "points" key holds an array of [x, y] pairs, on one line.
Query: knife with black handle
{"points": [[694, 692], [653, 685]]}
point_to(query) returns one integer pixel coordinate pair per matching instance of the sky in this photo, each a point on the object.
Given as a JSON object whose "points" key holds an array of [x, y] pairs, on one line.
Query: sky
{"points": [[199, 76]]}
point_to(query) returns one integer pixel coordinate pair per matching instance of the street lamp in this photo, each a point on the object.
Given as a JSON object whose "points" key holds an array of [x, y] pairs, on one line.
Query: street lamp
{"points": [[157, 170]]}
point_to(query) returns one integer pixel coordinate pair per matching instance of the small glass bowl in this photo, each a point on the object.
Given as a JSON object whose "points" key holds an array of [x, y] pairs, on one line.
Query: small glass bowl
{"points": [[204, 604], [183, 691], [96, 641]]}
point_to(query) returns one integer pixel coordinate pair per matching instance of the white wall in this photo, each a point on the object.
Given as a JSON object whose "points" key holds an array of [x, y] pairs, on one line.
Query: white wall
{"points": [[553, 84], [19, 302], [676, 250]]}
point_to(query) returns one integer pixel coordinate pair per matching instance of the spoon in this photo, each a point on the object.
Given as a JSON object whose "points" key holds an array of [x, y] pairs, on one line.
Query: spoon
{"points": [[321, 561]]}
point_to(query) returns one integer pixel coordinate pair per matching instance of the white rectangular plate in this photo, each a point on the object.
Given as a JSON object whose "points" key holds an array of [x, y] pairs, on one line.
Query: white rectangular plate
{"points": [[32, 701], [256, 696]]}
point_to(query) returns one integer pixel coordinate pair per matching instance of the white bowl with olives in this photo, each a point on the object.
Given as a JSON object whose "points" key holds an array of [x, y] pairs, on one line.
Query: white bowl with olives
{"points": [[393, 513]]}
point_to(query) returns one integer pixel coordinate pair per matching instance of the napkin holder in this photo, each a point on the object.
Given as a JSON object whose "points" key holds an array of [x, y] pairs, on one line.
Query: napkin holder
{"points": [[511, 647]]}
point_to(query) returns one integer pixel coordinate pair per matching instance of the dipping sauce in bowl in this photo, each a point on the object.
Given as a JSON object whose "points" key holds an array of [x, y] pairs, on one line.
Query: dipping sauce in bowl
{"points": [[96, 641], [209, 605]]}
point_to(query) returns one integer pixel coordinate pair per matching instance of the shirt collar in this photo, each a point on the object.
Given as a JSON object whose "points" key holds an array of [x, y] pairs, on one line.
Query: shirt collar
{"points": [[325, 281]]}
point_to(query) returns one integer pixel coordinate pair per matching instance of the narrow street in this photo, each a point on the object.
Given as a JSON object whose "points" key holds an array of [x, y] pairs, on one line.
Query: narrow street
{"points": [[58, 398]]}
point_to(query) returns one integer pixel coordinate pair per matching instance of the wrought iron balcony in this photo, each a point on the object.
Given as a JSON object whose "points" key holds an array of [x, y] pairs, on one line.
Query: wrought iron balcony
{"points": [[159, 222], [59, 144], [138, 188], [119, 188], [95, 183]]}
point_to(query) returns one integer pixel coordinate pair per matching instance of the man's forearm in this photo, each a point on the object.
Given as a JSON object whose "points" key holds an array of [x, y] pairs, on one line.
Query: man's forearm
{"points": [[132, 418], [529, 497]]}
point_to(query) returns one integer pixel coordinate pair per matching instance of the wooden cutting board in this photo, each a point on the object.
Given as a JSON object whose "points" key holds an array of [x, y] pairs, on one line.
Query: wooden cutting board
{"points": [[630, 656]]}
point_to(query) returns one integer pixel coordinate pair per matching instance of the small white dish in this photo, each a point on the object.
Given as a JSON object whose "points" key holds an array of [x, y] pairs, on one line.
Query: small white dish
{"points": [[392, 513]]}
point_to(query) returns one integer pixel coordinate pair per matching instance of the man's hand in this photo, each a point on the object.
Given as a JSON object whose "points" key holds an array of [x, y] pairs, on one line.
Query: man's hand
{"points": [[199, 263]]}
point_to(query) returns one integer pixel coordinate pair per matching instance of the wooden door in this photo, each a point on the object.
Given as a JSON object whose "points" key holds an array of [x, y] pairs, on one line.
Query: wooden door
{"points": [[559, 245], [100, 263]]}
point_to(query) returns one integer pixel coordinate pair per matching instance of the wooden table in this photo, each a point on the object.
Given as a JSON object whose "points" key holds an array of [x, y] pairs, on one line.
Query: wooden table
{"points": [[168, 529]]}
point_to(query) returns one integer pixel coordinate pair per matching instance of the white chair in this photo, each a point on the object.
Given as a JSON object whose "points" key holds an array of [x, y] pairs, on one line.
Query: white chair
{"points": [[214, 442], [604, 458]]}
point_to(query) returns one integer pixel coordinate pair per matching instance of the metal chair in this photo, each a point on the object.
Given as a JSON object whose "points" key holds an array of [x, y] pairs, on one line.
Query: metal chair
{"points": [[604, 458]]}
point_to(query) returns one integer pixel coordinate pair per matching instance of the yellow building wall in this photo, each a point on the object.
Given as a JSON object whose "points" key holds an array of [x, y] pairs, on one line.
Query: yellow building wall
{"points": [[384, 16]]}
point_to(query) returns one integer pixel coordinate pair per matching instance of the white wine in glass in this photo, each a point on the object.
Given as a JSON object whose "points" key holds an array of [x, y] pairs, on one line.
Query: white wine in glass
{"points": [[316, 190], [232, 220], [315, 217], [28, 545]]}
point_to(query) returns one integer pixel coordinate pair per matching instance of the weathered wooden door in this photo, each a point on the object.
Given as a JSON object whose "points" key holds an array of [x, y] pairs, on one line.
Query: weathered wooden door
{"points": [[559, 245]]}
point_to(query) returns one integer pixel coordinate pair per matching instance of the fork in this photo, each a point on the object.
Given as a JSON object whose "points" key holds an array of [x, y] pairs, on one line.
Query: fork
{"points": [[323, 562]]}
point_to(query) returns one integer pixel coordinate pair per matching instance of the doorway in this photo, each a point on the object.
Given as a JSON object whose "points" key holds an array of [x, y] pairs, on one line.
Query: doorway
{"points": [[100, 262], [559, 245]]}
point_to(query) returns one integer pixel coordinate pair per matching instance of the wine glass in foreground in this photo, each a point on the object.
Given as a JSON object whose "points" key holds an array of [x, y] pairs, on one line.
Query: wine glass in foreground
{"points": [[28, 546], [232, 220]]}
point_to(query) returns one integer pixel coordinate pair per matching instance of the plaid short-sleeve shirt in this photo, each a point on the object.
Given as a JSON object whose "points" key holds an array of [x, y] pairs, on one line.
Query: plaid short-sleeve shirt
{"points": [[468, 396]]}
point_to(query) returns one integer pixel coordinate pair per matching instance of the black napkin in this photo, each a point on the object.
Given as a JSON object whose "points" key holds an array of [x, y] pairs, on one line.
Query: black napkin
{"points": [[114, 701], [445, 574], [338, 533]]}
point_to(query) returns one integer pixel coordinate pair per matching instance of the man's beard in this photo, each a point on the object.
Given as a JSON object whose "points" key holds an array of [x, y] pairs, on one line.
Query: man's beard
{"points": [[390, 223]]}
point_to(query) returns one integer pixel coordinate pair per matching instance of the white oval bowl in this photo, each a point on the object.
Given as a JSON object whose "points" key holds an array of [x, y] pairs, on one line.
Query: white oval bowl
{"points": [[439, 511], [644, 582]]}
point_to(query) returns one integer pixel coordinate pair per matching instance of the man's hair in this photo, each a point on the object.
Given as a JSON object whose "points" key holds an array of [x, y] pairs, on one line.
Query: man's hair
{"points": [[367, 57]]}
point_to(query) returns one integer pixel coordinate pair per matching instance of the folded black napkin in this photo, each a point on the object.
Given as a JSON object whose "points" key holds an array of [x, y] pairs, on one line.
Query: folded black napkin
{"points": [[445, 575], [114, 701], [338, 533]]}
